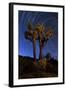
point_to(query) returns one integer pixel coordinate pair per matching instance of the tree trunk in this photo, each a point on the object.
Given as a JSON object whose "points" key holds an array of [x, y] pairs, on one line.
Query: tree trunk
{"points": [[40, 54], [34, 50], [41, 46]]}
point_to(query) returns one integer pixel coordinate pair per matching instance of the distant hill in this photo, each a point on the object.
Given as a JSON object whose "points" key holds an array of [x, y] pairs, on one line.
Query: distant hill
{"points": [[26, 57], [27, 69]]}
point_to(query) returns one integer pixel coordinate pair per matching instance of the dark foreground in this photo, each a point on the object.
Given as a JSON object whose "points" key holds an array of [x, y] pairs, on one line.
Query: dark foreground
{"points": [[27, 69]]}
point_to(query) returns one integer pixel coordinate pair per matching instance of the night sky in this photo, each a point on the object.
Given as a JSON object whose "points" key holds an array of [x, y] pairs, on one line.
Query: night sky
{"points": [[50, 19]]}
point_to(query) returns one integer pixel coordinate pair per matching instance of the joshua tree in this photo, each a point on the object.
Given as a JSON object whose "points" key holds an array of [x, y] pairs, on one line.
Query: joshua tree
{"points": [[32, 36], [43, 37], [40, 29]]}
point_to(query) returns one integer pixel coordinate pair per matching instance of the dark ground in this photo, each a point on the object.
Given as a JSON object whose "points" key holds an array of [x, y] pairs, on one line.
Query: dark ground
{"points": [[27, 69]]}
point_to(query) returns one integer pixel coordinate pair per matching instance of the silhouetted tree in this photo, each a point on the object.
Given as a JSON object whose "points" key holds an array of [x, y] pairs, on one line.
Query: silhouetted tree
{"points": [[43, 36], [40, 29], [31, 35], [48, 56]]}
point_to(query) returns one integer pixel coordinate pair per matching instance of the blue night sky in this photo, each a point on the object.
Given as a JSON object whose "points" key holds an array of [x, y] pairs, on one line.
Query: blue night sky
{"points": [[49, 19]]}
